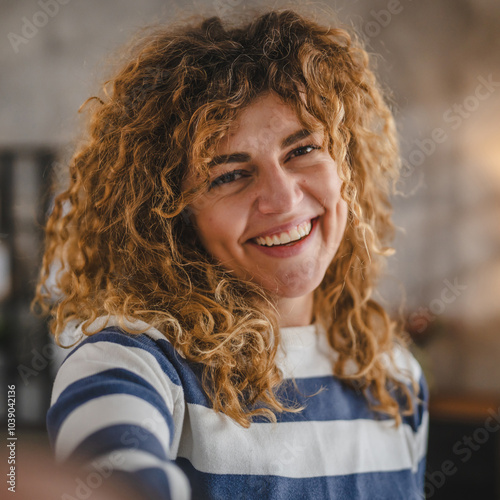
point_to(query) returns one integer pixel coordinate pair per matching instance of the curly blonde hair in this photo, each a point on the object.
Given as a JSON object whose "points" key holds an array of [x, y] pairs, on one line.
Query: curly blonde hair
{"points": [[120, 231]]}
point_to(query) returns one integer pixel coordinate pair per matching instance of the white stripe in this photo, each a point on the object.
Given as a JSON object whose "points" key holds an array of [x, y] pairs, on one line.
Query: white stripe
{"points": [[94, 358], [318, 361], [305, 362], [315, 360], [73, 330], [423, 437], [106, 411], [299, 449], [131, 460]]}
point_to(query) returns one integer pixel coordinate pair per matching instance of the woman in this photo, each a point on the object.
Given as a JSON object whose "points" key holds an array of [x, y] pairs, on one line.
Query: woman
{"points": [[219, 242]]}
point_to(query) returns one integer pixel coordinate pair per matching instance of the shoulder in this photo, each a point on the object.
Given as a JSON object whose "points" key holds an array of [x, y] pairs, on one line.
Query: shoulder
{"points": [[402, 366], [113, 343], [405, 366], [113, 352]]}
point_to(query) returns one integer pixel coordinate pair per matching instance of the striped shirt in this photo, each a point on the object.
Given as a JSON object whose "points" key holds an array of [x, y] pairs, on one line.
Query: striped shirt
{"points": [[132, 405]]}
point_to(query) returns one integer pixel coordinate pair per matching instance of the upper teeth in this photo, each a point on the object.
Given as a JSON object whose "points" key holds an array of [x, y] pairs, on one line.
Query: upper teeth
{"points": [[286, 236]]}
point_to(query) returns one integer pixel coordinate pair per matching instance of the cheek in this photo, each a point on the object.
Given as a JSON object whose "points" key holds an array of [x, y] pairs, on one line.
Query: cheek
{"points": [[325, 182], [209, 229], [216, 230]]}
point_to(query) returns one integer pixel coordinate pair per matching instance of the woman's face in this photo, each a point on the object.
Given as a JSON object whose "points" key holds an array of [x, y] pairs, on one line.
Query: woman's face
{"points": [[273, 213]]}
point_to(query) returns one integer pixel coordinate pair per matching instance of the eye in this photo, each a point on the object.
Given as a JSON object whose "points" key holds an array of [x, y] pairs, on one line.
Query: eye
{"points": [[303, 150], [227, 178]]}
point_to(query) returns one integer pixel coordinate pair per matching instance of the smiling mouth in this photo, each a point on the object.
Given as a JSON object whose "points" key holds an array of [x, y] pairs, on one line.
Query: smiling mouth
{"points": [[286, 238]]}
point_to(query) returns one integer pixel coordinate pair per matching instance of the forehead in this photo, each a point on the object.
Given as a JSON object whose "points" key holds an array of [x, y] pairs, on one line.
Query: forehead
{"points": [[265, 121]]}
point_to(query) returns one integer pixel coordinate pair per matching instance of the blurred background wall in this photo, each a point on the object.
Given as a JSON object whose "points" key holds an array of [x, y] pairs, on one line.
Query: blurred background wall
{"points": [[441, 60]]}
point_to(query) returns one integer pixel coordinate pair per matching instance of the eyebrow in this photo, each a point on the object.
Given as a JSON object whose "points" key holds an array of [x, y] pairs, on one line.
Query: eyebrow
{"points": [[296, 136], [245, 157]]}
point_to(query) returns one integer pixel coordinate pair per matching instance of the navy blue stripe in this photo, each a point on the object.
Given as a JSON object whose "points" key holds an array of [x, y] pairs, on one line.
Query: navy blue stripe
{"points": [[391, 485], [113, 381], [190, 375], [421, 473], [335, 401], [118, 437], [141, 341]]}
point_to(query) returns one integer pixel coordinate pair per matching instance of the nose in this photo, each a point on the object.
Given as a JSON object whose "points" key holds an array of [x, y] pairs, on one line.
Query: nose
{"points": [[278, 190]]}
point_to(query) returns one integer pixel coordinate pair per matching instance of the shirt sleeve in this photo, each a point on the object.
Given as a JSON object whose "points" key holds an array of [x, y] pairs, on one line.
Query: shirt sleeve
{"points": [[408, 369], [115, 401]]}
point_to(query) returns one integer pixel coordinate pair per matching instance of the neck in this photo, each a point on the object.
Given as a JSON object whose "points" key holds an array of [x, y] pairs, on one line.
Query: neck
{"points": [[295, 311]]}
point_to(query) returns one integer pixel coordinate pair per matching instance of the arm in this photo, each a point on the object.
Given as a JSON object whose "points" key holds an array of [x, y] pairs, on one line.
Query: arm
{"points": [[115, 403]]}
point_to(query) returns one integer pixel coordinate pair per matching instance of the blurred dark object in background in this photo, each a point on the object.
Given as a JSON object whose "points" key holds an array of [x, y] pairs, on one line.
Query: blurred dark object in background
{"points": [[463, 460], [25, 175]]}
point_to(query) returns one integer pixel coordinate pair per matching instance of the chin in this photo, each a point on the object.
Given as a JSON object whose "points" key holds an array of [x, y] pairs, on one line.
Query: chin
{"points": [[293, 286]]}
